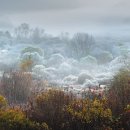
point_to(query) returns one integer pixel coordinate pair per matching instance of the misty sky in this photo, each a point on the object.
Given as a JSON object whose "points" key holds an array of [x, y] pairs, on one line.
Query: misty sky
{"points": [[55, 16]]}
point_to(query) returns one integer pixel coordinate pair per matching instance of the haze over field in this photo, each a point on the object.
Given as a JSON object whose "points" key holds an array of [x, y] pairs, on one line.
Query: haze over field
{"points": [[87, 58]]}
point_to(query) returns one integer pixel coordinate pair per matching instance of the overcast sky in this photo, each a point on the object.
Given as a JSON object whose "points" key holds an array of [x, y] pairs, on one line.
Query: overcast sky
{"points": [[56, 16]]}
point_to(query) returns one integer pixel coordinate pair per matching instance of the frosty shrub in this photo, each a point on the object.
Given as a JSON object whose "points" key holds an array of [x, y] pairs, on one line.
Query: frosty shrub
{"points": [[88, 62], [104, 57], [32, 49]]}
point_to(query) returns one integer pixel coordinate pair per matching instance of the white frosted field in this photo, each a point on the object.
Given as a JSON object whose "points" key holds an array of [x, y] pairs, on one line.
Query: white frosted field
{"points": [[58, 67]]}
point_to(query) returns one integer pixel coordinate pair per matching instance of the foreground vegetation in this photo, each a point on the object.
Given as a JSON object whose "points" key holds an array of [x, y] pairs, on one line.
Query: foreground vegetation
{"points": [[24, 109]]}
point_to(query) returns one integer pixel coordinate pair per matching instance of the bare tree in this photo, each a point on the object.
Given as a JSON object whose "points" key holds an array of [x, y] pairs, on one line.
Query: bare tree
{"points": [[81, 44]]}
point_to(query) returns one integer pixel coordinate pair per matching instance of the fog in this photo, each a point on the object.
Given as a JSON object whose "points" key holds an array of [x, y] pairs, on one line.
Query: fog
{"points": [[78, 43], [80, 60]]}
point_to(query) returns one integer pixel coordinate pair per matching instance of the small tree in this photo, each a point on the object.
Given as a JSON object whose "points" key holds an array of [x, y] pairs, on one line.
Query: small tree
{"points": [[26, 64], [30, 56]]}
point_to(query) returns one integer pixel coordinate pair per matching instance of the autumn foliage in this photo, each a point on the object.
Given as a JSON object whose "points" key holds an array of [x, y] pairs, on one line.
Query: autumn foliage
{"points": [[55, 109]]}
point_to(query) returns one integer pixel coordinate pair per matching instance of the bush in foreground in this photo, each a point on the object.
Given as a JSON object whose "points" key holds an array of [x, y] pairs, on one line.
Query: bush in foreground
{"points": [[12, 119], [65, 112], [15, 119], [86, 114], [119, 93], [48, 107]]}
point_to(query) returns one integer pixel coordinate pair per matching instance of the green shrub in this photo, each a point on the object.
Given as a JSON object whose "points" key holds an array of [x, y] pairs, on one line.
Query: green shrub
{"points": [[3, 102], [15, 119], [88, 114], [12, 119]]}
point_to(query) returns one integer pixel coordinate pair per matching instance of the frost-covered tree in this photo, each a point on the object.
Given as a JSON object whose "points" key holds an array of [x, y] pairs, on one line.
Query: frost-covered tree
{"points": [[22, 31], [81, 44], [37, 35], [27, 34]]}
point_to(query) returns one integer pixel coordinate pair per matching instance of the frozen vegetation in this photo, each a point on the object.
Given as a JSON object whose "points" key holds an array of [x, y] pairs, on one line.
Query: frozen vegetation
{"points": [[80, 61]]}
